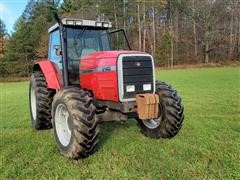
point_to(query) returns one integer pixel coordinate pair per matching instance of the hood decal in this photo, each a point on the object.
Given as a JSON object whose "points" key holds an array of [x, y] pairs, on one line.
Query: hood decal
{"points": [[100, 69]]}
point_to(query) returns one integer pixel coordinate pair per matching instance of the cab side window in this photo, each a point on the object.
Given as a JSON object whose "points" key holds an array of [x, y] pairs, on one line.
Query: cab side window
{"points": [[55, 40]]}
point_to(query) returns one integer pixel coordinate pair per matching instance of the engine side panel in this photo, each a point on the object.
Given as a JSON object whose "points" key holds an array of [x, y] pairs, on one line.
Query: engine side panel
{"points": [[52, 74], [100, 77]]}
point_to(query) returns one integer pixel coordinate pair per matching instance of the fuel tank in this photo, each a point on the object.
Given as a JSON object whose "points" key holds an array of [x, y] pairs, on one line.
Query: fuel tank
{"points": [[98, 73]]}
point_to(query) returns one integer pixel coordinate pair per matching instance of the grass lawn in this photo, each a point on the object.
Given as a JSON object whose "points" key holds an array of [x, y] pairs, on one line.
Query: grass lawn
{"points": [[208, 145]]}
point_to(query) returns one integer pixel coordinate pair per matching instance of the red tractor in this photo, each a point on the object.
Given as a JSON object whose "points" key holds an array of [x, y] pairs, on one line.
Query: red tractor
{"points": [[92, 76]]}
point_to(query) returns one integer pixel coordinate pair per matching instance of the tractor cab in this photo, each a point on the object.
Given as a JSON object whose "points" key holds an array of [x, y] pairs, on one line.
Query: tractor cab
{"points": [[82, 37]]}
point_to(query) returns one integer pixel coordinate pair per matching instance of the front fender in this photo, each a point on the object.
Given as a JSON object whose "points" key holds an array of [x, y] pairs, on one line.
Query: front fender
{"points": [[51, 73]]}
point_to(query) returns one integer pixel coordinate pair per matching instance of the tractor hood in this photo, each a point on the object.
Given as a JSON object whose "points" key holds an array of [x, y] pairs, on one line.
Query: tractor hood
{"points": [[102, 73], [102, 58], [109, 54]]}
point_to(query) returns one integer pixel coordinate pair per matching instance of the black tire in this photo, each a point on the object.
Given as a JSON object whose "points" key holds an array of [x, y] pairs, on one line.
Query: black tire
{"points": [[170, 113], [41, 116], [81, 122]]}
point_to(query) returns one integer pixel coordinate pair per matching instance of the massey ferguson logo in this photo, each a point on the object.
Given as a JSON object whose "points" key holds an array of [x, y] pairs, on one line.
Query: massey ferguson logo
{"points": [[138, 64]]}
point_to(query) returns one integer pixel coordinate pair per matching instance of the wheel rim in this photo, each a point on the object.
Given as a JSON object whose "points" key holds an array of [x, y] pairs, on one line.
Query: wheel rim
{"points": [[62, 124], [33, 103], [154, 123]]}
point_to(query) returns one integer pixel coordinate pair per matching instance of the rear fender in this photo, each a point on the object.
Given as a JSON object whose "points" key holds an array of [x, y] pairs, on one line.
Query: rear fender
{"points": [[51, 72]]}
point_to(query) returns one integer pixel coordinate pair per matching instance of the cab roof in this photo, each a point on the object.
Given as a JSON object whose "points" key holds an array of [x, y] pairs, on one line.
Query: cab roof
{"points": [[81, 23]]}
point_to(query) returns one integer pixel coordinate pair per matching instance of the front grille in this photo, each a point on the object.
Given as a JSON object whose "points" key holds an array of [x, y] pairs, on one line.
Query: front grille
{"points": [[137, 71]]}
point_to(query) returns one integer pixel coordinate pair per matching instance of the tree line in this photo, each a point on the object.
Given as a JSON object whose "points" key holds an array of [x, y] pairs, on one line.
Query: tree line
{"points": [[174, 31]]}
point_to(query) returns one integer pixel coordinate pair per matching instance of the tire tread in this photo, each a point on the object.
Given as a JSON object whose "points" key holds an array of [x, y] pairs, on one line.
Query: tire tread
{"points": [[85, 129], [44, 97]]}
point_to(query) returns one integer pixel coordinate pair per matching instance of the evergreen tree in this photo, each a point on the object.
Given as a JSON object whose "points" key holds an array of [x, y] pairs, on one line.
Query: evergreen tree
{"points": [[22, 49], [3, 30]]}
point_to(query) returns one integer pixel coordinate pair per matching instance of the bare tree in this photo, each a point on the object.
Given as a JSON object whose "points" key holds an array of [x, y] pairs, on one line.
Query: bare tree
{"points": [[115, 15], [230, 54], [153, 31], [144, 26], [238, 32], [124, 14], [194, 29], [139, 28]]}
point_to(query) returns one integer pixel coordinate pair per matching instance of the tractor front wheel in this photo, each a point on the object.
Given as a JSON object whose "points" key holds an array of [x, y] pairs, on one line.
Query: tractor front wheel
{"points": [[170, 114], [75, 126]]}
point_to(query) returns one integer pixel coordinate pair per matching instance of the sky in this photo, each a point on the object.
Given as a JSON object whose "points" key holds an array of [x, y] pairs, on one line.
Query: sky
{"points": [[10, 10]]}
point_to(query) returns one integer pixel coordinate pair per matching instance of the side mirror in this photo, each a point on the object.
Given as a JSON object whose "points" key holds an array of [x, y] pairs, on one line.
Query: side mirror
{"points": [[56, 47], [58, 51]]}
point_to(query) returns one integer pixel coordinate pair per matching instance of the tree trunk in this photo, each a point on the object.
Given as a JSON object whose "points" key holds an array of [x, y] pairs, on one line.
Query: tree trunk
{"points": [[172, 51], [154, 32], [194, 31], [115, 15], [168, 62], [230, 55], [172, 41], [195, 39], [115, 19], [151, 47], [176, 33], [238, 35], [237, 42], [207, 47], [144, 30], [139, 29], [124, 15]]}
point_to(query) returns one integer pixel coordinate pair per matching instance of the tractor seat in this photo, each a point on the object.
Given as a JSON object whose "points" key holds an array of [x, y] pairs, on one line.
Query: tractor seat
{"points": [[87, 51]]}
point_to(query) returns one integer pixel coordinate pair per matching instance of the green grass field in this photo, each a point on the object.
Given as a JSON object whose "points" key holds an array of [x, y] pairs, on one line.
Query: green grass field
{"points": [[207, 147]]}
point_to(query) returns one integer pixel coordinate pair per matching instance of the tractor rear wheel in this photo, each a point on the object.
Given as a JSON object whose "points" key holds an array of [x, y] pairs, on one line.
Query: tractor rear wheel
{"points": [[40, 101], [170, 114], [75, 127]]}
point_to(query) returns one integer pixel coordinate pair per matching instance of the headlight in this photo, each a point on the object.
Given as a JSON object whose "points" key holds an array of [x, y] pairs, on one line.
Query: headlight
{"points": [[147, 87], [78, 23], [99, 24], [70, 22], [105, 24], [130, 88]]}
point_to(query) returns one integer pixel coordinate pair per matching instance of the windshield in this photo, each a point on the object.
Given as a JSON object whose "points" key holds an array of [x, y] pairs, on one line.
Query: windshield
{"points": [[81, 42]]}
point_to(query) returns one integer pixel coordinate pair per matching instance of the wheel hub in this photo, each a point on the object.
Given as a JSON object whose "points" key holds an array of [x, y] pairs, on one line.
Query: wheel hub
{"points": [[63, 124], [151, 123], [154, 123]]}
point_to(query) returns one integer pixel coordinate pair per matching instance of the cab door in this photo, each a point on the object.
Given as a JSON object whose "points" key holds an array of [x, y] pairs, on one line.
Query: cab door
{"points": [[54, 40]]}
